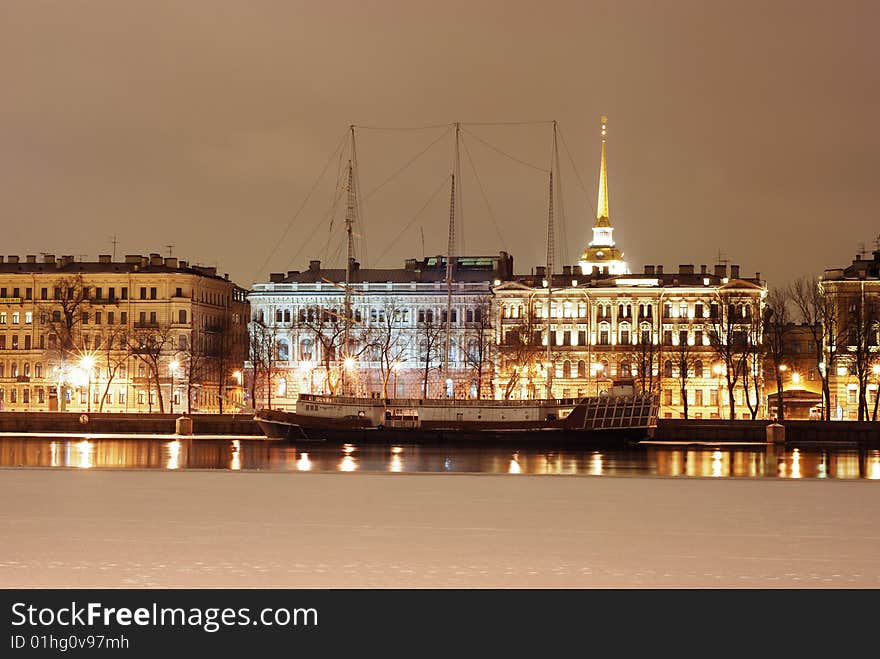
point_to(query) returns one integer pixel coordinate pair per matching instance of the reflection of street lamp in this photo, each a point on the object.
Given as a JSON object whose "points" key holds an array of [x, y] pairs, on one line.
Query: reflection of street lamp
{"points": [[172, 367]]}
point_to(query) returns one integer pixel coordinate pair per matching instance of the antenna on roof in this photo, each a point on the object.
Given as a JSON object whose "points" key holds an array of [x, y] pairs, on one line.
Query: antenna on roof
{"points": [[115, 242], [170, 248], [422, 234], [722, 258], [80, 257]]}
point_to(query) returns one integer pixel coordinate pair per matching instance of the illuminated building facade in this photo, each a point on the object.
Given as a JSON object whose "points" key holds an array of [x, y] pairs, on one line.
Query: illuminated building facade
{"points": [[396, 337], [138, 335], [854, 371]]}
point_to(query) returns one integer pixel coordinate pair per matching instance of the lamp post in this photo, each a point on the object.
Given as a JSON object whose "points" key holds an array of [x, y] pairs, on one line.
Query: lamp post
{"points": [[395, 367], [87, 363], [718, 369], [172, 367]]}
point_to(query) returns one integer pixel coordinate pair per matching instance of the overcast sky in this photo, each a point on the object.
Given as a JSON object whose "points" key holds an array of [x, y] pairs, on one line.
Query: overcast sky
{"points": [[748, 128]]}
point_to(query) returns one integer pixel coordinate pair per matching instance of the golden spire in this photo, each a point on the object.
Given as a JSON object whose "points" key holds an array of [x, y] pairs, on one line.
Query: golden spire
{"points": [[602, 206]]}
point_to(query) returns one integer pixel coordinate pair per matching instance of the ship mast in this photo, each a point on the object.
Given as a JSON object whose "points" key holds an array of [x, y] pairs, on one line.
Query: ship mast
{"points": [[450, 259], [349, 220], [551, 248]]}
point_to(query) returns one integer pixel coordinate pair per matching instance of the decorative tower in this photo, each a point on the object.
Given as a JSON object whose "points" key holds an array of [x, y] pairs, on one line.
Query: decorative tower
{"points": [[601, 252]]}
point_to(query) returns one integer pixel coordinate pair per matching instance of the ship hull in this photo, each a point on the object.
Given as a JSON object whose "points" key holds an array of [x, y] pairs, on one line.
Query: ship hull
{"points": [[305, 431]]}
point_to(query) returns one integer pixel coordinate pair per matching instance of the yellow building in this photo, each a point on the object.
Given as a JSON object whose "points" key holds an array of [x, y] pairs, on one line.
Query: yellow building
{"points": [[145, 334], [690, 336]]}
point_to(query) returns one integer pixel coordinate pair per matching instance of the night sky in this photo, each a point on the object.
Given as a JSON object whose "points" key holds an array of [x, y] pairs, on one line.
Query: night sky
{"points": [[748, 128]]}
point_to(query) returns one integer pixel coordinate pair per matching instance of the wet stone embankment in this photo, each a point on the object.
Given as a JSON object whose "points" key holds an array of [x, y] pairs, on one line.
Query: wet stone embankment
{"points": [[719, 430], [114, 423]]}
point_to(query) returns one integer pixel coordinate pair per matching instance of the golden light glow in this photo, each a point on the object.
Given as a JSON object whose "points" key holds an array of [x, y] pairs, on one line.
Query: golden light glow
{"points": [[87, 363], [874, 466], [514, 467], [783, 368], [348, 464], [174, 365], [173, 455], [86, 454], [396, 464], [796, 378], [796, 464], [237, 376], [717, 466], [596, 464], [349, 363], [235, 462], [304, 464]]}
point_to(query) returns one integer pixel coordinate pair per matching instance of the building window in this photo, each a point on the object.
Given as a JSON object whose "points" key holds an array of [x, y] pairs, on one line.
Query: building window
{"points": [[667, 396], [152, 318], [123, 317], [698, 397], [27, 341], [698, 368], [604, 334], [667, 337]]}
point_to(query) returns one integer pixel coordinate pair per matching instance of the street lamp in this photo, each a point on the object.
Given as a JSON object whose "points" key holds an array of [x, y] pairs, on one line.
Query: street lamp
{"points": [[395, 367], [172, 367], [718, 369], [87, 363]]}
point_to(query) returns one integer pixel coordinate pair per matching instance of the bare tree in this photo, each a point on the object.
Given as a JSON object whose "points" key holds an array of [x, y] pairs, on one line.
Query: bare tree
{"points": [[819, 312], [195, 363], [860, 322], [776, 336], [430, 337], [63, 316], [262, 355], [645, 354], [149, 342], [227, 350], [684, 357], [115, 350], [328, 328], [521, 349], [730, 330], [479, 349], [384, 338]]}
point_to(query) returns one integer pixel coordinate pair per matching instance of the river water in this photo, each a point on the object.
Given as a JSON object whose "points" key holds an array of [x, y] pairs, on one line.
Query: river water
{"points": [[718, 461]]}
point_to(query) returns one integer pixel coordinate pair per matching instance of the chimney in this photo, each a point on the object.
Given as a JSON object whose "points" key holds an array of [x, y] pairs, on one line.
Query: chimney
{"points": [[703, 269], [734, 272], [64, 260], [314, 266], [566, 270], [720, 270], [355, 266], [649, 269], [540, 271], [276, 277], [31, 258], [156, 259], [12, 259], [685, 269], [291, 273], [758, 277], [48, 258], [184, 264], [171, 262], [104, 258], [659, 269], [132, 258]]}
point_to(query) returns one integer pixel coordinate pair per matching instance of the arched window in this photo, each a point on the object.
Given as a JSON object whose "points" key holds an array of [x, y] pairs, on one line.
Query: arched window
{"points": [[283, 350], [625, 337], [667, 369], [582, 369], [624, 370], [305, 350], [604, 334], [566, 369], [645, 331]]}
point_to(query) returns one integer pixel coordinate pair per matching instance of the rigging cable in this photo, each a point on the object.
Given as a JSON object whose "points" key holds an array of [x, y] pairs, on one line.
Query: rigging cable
{"points": [[299, 210], [504, 153], [412, 221], [576, 173], [403, 127], [302, 245], [483, 192], [407, 164]]}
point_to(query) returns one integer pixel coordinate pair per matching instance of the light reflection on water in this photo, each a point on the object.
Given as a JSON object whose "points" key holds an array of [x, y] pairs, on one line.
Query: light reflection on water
{"points": [[655, 460]]}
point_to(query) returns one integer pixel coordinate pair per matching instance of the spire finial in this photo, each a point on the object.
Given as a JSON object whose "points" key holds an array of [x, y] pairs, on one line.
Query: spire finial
{"points": [[602, 206]]}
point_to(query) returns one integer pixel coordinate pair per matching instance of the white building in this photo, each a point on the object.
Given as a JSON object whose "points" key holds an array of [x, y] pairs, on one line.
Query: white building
{"points": [[397, 339]]}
